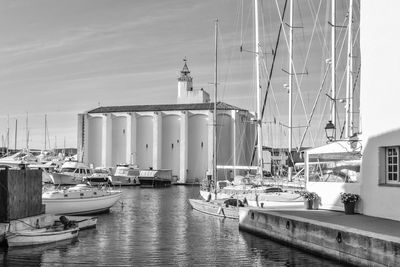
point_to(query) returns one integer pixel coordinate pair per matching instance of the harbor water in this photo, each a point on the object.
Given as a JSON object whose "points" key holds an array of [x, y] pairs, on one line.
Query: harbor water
{"points": [[157, 227]]}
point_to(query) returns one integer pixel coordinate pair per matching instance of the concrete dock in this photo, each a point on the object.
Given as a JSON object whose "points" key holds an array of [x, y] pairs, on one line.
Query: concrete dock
{"points": [[353, 239]]}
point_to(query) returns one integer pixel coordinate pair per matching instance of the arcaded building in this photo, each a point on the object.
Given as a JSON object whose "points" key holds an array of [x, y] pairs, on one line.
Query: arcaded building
{"points": [[173, 136]]}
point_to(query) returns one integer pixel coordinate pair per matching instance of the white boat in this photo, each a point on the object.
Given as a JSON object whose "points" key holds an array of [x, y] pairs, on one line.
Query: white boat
{"points": [[44, 221], [216, 208], [40, 236], [221, 207], [255, 195], [80, 199], [155, 178], [71, 173], [19, 159], [126, 174], [100, 176]]}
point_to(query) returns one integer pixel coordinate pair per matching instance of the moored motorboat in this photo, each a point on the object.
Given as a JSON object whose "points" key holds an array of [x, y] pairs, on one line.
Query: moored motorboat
{"points": [[155, 178], [100, 176], [80, 199], [41, 236], [126, 174], [71, 173]]}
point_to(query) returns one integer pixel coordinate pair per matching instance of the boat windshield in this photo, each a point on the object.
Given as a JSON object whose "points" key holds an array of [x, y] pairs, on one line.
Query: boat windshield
{"points": [[121, 171], [68, 169]]}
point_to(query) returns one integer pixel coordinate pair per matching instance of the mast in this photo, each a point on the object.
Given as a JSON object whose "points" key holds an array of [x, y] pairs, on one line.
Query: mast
{"points": [[16, 128], [8, 133], [45, 131], [290, 169], [349, 87], [333, 60], [258, 87], [215, 111], [27, 132]]}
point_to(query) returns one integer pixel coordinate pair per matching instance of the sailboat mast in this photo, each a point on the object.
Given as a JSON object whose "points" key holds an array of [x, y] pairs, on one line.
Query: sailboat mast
{"points": [[215, 111], [259, 115], [333, 60], [45, 131], [290, 126], [349, 87], [16, 129]]}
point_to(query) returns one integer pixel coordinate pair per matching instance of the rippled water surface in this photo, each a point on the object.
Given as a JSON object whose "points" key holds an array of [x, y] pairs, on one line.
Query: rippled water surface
{"points": [[157, 227]]}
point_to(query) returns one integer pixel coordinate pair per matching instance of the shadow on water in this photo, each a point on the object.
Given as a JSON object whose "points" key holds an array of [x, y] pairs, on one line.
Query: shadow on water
{"points": [[157, 227]]}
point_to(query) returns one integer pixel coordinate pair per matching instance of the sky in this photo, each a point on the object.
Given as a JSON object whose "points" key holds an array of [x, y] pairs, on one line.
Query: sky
{"points": [[61, 58]]}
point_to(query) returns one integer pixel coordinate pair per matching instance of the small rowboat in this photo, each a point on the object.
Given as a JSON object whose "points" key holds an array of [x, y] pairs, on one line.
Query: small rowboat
{"points": [[40, 236]]}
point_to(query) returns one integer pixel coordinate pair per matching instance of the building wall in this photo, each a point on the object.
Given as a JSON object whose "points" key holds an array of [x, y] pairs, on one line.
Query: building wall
{"points": [[119, 145], [171, 143], [198, 125], [144, 141], [95, 140], [380, 89], [176, 140]]}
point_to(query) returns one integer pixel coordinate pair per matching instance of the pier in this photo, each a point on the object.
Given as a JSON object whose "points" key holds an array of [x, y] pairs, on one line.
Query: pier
{"points": [[352, 239]]}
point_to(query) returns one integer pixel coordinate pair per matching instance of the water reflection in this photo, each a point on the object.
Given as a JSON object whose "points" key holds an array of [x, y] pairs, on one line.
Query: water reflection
{"points": [[157, 227]]}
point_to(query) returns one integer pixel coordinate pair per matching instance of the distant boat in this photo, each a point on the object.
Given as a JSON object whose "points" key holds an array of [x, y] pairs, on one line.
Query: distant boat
{"points": [[100, 176], [80, 199], [19, 159], [126, 174], [41, 236], [71, 173], [155, 178]]}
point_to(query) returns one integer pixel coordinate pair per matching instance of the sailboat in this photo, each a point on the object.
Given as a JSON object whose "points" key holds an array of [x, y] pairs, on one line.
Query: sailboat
{"points": [[218, 206], [256, 195]]}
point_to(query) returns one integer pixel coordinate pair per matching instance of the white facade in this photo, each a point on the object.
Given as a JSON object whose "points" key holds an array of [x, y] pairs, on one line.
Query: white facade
{"points": [[379, 107], [177, 137], [379, 183]]}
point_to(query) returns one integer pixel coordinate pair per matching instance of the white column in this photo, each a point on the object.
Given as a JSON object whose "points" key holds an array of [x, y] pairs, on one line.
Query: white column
{"points": [[157, 129], [128, 138], [106, 148], [133, 148], [183, 144]]}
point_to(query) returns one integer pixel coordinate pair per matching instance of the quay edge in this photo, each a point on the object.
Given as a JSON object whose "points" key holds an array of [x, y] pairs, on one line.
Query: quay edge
{"points": [[342, 243]]}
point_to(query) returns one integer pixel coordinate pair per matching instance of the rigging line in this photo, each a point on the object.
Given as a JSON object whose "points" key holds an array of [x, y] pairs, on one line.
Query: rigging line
{"points": [[313, 109], [294, 70], [271, 71], [309, 45], [320, 30]]}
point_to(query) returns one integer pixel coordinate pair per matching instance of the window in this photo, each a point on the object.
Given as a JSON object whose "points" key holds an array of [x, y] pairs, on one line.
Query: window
{"points": [[392, 164]]}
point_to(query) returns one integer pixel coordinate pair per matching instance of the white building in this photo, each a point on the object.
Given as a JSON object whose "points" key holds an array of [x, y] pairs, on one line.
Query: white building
{"points": [[378, 182], [174, 136]]}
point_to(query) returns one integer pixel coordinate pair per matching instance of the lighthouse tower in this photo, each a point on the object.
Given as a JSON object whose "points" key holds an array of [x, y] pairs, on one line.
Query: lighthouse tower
{"points": [[186, 93]]}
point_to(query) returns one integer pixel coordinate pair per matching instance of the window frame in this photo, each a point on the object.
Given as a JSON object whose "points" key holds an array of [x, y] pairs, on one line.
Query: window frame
{"points": [[394, 165]]}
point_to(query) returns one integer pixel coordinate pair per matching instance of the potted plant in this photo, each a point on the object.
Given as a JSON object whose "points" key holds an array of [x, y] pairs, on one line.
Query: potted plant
{"points": [[349, 200], [309, 198]]}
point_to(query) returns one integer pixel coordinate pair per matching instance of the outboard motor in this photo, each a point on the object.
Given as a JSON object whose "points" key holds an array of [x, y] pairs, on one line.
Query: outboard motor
{"points": [[67, 223]]}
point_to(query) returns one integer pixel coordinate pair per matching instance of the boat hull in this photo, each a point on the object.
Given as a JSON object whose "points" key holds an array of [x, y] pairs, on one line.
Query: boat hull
{"points": [[39, 237], [125, 180], [266, 200], [81, 206], [65, 179], [151, 182], [215, 208]]}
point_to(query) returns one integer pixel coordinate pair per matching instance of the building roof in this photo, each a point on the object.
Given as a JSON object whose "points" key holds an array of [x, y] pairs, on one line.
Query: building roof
{"points": [[168, 107]]}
